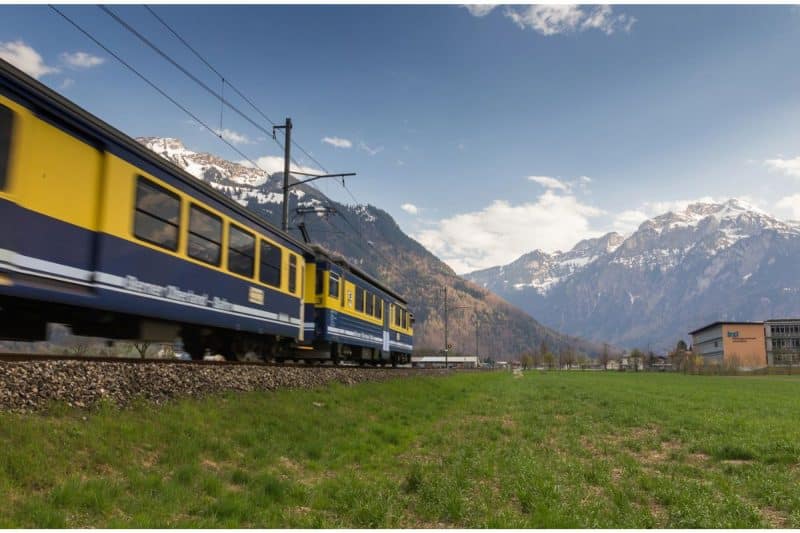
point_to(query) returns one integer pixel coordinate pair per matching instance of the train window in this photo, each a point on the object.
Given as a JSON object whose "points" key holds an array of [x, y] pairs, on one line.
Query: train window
{"points": [[320, 284], [270, 264], [370, 302], [379, 309], [333, 285], [241, 252], [205, 236], [6, 119], [359, 299], [292, 273], [157, 214], [397, 314]]}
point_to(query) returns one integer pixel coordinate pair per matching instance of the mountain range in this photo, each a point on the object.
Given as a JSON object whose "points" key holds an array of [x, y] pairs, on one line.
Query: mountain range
{"points": [[370, 238], [675, 273]]}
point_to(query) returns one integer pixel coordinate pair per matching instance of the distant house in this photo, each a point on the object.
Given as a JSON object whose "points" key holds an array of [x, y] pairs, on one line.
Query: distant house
{"points": [[439, 361]]}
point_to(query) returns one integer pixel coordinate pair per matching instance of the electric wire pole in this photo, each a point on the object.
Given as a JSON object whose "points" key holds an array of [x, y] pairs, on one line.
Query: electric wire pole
{"points": [[446, 346], [287, 162], [446, 343], [287, 171]]}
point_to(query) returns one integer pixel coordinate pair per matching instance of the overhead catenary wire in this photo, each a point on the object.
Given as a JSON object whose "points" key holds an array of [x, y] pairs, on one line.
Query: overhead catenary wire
{"points": [[186, 72], [215, 71], [232, 86], [153, 85]]}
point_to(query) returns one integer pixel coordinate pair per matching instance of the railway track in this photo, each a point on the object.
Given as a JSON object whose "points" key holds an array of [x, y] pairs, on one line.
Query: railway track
{"points": [[30, 357]]}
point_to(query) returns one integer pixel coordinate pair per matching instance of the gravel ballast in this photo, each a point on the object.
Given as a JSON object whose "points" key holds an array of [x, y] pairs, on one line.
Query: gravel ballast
{"points": [[32, 386]]}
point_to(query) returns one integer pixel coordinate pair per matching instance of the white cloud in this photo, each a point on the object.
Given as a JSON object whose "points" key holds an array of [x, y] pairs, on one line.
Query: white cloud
{"points": [[501, 232], [554, 19], [480, 10], [585, 179], [411, 209], [67, 83], [790, 205], [233, 137], [25, 58], [274, 163], [629, 220], [550, 183], [81, 60], [338, 142], [370, 150], [790, 167]]}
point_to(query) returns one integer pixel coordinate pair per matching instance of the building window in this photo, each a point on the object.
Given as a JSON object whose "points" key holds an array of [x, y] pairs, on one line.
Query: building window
{"points": [[205, 236], [241, 252], [270, 272], [333, 285], [157, 214], [6, 123], [292, 273]]}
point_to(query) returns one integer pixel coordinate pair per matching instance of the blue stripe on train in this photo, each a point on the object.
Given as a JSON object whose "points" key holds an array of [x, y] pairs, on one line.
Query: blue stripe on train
{"points": [[70, 246]]}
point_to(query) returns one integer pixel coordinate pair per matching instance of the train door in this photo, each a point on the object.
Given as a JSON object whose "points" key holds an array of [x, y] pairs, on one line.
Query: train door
{"points": [[386, 321]]}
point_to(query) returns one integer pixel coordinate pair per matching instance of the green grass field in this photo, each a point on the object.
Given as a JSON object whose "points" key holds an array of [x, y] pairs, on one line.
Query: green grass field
{"points": [[473, 450]]}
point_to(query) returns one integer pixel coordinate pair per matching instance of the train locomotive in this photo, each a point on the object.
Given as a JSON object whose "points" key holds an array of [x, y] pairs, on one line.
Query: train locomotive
{"points": [[99, 233]]}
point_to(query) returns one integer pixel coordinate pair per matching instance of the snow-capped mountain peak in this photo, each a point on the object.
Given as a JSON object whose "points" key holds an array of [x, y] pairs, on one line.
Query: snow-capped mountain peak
{"points": [[677, 263]]}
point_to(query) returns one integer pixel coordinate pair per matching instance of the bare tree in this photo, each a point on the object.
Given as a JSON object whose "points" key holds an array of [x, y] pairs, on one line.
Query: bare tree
{"points": [[605, 356], [636, 356], [142, 348], [567, 357], [538, 360], [79, 349], [549, 360]]}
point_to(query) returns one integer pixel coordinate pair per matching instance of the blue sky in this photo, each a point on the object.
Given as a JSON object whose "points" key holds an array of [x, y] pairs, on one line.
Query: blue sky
{"points": [[485, 132]]}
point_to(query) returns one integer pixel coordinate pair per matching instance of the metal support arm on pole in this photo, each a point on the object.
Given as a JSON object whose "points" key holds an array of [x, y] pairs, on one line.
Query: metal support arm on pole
{"points": [[287, 171]]}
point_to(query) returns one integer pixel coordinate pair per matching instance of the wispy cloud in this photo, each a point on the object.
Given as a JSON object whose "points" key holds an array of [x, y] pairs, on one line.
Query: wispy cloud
{"points": [[411, 209], [629, 220], [790, 205], [501, 231], [233, 137], [370, 150], [555, 19], [480, 10], [790, 167], [550, 183], [274, 163], [81, 60], [66, 84], [338, 142], [25, 58]]}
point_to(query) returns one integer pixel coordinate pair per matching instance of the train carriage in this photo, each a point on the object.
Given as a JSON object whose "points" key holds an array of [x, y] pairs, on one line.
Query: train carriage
{"points": [[355, 315], [100, 233]]}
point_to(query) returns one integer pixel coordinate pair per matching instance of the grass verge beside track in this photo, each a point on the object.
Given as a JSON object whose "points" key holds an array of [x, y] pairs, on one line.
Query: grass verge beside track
{"points": [[472, 450]]}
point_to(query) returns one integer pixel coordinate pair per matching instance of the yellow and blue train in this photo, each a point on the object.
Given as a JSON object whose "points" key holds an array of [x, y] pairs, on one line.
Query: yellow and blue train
{"points": [[98, 232]]}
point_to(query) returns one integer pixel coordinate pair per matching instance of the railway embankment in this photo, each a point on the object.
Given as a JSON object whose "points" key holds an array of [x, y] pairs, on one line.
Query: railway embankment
{"points": [[31, 386]]}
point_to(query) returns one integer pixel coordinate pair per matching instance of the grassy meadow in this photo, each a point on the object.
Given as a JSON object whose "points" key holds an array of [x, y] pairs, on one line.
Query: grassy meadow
{"points": [[556, 449]]}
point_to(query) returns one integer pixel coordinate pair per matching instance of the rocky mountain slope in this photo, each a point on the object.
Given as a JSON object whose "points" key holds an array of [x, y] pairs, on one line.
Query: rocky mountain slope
{"points": [[676, 272], [370, 238]]}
